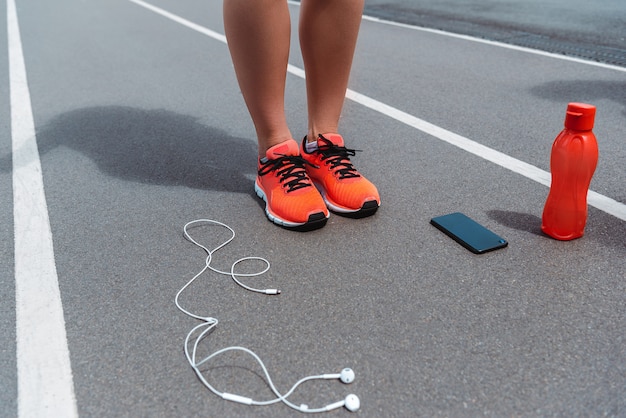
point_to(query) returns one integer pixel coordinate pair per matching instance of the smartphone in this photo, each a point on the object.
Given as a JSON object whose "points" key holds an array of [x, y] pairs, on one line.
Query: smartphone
{"points": [[468, 233]]}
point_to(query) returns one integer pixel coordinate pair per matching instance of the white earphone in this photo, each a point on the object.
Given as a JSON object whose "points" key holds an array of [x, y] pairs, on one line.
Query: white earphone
{"points": [[352, 404], [346, 376]]}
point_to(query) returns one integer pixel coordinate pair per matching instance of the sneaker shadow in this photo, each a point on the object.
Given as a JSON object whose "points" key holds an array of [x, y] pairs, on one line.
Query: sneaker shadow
{"points": [[154, 147]]}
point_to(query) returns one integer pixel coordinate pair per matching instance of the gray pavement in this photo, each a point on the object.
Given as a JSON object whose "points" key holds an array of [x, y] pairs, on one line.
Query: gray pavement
{"points": [[595, 31], [141, 128]]}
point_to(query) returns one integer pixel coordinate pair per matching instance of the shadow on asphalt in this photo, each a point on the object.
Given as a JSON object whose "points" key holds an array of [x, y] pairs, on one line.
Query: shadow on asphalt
{"points": [[153, 146], [601, 227], [516, 220], [582, 90]]}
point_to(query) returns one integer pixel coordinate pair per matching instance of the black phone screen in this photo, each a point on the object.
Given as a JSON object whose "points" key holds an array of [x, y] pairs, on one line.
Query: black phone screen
{"points": [[468, 233]]}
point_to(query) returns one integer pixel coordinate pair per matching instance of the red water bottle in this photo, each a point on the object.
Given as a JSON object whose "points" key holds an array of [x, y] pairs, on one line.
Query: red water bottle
{"points": [[572, 163]]}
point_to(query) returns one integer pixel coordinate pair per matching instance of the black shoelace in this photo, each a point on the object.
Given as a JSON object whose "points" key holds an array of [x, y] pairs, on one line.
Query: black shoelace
{"points": [[291, 170], [338, 158]]}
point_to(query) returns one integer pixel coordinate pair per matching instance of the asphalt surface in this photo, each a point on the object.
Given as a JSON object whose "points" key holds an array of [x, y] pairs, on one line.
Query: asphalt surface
{"points": [[574, 28], [141, 128]]}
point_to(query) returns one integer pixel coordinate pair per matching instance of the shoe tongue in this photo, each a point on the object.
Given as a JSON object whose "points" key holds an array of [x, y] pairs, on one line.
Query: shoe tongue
{"points": [[289, 147], [336, 139]]}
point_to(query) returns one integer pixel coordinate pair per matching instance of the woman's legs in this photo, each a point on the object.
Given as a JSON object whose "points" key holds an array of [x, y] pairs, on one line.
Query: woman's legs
{"points": [[328, 35], [258, 33]]}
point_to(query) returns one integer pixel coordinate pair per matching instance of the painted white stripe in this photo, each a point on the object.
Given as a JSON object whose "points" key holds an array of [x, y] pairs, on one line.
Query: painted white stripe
{"points": [[468, 145], [596, 200], [496, 43], [45, 385], [182, 21]]}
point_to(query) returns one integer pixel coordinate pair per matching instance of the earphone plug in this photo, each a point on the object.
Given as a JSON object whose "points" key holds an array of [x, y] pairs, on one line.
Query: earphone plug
{"points": [[271, 292]]}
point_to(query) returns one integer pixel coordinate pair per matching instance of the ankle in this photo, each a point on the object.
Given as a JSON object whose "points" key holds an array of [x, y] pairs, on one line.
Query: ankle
{"points": [[313, 136], [266, 144]]}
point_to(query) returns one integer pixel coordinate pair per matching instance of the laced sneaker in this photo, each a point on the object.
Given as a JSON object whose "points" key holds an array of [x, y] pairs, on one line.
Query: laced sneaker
{"points": [[290, 198], [343, 188]]}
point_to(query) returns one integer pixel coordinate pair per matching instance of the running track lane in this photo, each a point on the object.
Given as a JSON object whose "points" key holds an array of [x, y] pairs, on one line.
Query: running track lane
{"points": [[45, 384], [597, 200]]}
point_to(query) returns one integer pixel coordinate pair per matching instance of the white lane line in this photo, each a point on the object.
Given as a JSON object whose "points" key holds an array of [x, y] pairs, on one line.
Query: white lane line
{"points": [[594, 199], [44, 374], [495, 43], [597, 200], [182, 21]]}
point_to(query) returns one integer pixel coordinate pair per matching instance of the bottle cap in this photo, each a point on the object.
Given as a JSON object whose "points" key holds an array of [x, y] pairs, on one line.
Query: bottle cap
{"points": [[580, 116]]}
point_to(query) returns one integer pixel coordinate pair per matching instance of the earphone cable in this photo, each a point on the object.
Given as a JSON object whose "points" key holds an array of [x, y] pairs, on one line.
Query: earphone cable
{"points": [[209, 323]]}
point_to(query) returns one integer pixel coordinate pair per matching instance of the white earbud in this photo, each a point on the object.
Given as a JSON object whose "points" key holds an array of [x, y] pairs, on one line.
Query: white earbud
{"points": [[352, 404], [346, 376]]}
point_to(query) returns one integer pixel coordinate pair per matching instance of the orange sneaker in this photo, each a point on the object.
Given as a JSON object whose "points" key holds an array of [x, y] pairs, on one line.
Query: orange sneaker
{"points": [[290, 199], [344, 190]]}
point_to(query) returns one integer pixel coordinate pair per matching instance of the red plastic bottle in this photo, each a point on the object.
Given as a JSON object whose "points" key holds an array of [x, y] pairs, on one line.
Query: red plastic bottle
{"points": [[572, 164]]}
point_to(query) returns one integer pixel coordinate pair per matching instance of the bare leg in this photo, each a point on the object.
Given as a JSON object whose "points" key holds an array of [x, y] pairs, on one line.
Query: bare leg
{"points": [[258, 33], [328, 35]]}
